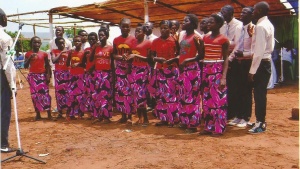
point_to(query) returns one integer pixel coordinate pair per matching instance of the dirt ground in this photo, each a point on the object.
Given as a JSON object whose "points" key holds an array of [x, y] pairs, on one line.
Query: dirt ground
{"points": [[81, 144]]}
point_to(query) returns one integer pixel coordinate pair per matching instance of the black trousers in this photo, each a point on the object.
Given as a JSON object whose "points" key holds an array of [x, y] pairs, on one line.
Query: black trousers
{"points": [[5, 109], [233, 75], [244, 90], [261, 80]]}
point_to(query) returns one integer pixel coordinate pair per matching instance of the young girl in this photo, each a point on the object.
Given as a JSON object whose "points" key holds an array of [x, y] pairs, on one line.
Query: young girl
{"points": [[122, 47], [163, 82], [189, 79], [101, 57], [138, 77], [89, 76], [61, 74], [38, 77], [76, 86], [214, 77]]}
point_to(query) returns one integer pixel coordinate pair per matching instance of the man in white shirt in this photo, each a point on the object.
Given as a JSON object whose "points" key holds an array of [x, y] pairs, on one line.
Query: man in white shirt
{"points": [[148, 28], [242, 53], [84, 39], [59, 32], [260, 70], [231, 25], [8, 83]]}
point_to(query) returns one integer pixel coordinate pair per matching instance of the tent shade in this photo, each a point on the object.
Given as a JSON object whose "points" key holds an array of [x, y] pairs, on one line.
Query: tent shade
{"points": [[113, 11]]}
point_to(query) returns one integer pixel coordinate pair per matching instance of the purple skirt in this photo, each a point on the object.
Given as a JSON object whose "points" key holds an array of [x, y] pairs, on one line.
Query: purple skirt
{"points": [[76, 89], [163, 87], [102, 96], [39, 91], [138, 82], [189, 93], [62, 80], [214, 100]]}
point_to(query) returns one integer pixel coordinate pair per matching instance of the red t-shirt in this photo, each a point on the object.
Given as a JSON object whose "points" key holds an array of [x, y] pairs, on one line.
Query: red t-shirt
{"points": [[37, 63], [187, 48], [76, 57], [141, 49], [124, 45], [213, 47], [102, 58], [88, 63], [62, 61], [164, 48]]}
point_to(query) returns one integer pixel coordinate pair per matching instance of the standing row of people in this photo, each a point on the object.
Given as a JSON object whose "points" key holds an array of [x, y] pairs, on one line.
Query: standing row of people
{"points": [[185, 74]]}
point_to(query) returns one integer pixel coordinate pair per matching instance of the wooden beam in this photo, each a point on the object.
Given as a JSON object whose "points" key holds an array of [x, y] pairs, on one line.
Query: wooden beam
{"points": [[26, 13]]}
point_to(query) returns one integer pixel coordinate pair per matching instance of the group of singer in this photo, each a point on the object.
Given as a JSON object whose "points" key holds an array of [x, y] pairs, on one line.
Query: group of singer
{"points": [[185, 76]]}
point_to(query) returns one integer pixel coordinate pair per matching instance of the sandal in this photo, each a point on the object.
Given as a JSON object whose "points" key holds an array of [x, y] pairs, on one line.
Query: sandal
{"points": [[161, 123], [204, 132]]}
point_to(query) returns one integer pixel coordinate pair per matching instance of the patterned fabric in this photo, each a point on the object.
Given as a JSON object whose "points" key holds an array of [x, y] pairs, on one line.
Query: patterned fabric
{"points": [[103, 94], [76, 89], [123, 93], [138, 80], [39, 91], [189, 94], [214, 100], [88, 102], [163, 87], [62, 80]]}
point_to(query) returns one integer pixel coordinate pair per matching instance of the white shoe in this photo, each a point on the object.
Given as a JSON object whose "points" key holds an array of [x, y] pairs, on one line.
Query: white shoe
{"points": [[234, 122], [242, 124]]}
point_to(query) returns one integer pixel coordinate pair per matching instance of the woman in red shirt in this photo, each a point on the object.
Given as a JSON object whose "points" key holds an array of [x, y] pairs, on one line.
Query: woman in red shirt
{"points": [[61, 74], [122, 47], [101, 56], [138, 76], [215, 65], [76, 86], [189, 79], [38, 77], [163, 85], [89, 76]]}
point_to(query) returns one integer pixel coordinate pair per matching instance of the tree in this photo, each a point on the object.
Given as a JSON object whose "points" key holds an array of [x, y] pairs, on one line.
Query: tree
{"points": [[22, 45], [70, 32]]}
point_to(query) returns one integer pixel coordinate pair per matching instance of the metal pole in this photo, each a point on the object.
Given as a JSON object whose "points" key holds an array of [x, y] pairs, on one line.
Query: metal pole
{"points": [[146, 18]]}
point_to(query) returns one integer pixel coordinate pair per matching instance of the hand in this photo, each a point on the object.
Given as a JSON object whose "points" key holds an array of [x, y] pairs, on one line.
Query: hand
{"points": [[168, 62], [75, 65], [129, 57], [250, 77], [33, 56], [160, 59], [222, 84], [238, 53]]}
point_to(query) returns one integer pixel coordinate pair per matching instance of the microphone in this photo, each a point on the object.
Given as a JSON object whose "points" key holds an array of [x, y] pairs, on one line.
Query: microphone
{"points": [[21, 25]]}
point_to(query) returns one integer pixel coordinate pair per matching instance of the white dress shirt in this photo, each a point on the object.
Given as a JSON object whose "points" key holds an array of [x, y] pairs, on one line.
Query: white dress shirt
{"points": [[6, 42], [85, 45], [150, 37], [229, 30], [262, 42], [243, 42], [68, 44]]}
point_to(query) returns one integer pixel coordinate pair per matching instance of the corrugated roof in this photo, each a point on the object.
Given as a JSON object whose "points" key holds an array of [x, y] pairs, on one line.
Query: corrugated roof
{"points": [[114, 10]]}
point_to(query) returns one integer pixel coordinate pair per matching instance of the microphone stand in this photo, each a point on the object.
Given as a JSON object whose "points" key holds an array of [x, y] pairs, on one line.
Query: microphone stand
{"points": [[20, 151]]}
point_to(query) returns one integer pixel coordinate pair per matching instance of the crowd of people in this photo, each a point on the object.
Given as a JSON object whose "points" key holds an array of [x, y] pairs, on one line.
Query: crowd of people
{"points": [[185, 76]]}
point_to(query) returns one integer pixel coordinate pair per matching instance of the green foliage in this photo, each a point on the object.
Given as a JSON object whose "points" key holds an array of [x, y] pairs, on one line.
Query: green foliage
{"points": [[70, 32], [45, 48], [21, 45]]}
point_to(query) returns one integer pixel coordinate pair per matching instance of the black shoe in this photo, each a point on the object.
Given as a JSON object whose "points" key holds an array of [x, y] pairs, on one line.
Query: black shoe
{"points": [[7, 150]]}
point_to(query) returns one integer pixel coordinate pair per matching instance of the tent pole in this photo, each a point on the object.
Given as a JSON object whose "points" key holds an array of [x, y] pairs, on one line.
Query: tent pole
{"points": [[146, 18], [34, 30]]}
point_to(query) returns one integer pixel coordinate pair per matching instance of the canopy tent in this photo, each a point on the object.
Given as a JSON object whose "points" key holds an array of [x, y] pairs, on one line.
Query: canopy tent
{"points": [[113, 11]]}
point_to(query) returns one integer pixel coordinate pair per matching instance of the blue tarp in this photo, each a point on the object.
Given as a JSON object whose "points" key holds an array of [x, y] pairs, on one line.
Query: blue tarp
{"points": [[294, 4]]}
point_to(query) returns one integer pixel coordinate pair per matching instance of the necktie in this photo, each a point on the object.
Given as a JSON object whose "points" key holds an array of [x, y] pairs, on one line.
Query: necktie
{"points": [[241, 40], [227, 31]]}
